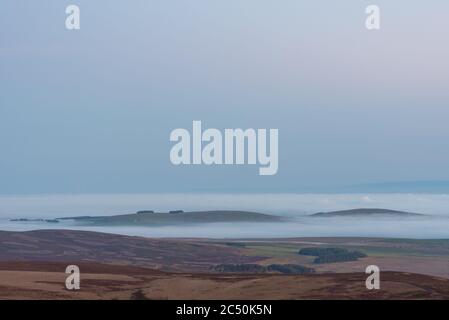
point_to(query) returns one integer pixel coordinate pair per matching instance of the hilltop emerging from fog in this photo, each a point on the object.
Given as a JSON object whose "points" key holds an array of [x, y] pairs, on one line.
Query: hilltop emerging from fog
{"points": [[366, 212], [150, 218]]}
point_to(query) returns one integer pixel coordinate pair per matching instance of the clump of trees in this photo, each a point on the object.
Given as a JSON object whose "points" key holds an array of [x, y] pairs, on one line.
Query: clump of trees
{"points": [[329, 255], [257, 268], [289, 269], [138, 295], [236, 244], [144, 212], [240, 268]]}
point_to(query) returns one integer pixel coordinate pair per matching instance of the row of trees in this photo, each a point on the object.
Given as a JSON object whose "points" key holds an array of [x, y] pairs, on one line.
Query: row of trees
{"points": [[329, 255], [257, 268]]}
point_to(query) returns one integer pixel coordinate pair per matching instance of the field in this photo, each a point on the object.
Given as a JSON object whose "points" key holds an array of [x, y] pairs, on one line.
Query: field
{"points": [[32, 265]]}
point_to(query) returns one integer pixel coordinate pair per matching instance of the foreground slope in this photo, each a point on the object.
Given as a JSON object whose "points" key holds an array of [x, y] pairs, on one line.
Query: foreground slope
{"points": [[46, 281], [32, 265], [73, 246]]}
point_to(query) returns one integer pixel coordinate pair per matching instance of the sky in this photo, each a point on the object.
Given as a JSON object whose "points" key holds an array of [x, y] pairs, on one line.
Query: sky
{"points": [[91, 111]]}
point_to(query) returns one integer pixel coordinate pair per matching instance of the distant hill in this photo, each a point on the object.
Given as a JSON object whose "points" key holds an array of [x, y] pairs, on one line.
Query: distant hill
{"points": [[419, 187], [433, 187], [365, 212], [175, 217]]}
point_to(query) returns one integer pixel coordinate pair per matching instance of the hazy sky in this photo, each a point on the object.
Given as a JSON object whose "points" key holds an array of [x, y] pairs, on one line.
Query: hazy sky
{"points": [[91, 110]]}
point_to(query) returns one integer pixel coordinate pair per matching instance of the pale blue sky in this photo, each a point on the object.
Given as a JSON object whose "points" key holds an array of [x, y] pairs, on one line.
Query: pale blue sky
{"points": [[92, 110]]}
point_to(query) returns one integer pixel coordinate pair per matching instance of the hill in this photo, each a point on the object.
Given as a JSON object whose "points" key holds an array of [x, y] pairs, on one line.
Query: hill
{"points": [[148, 218], [70, 245], [366, 212]]}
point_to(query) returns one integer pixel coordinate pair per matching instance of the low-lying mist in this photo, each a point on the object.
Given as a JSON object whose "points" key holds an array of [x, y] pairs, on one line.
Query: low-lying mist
{"points": [[419, 228], [296, 207]]}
